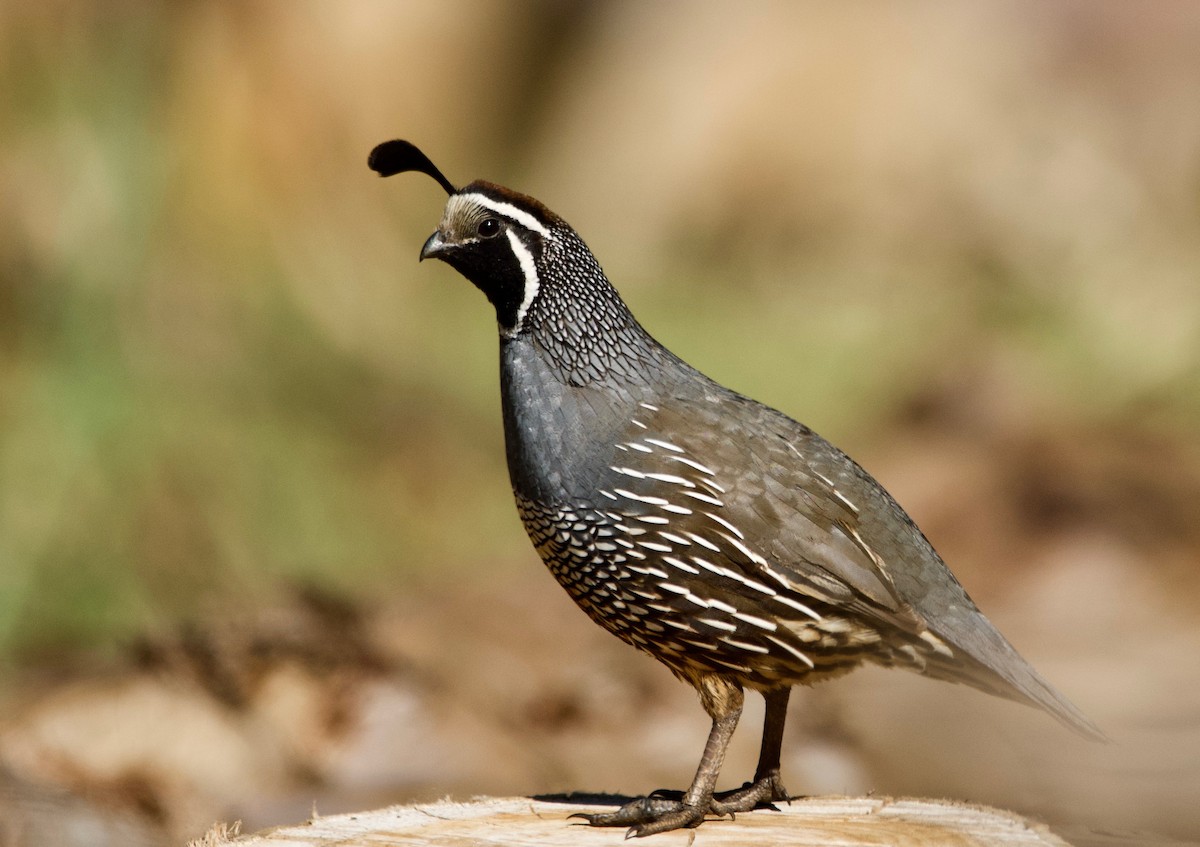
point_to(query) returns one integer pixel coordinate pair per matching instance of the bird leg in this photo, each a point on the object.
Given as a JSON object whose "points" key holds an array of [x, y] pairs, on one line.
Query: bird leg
{"points": [[767, 786], [722, 700]]}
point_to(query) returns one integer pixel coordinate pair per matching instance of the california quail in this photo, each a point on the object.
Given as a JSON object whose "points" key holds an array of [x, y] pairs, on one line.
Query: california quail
{"points": [[725, 539]]}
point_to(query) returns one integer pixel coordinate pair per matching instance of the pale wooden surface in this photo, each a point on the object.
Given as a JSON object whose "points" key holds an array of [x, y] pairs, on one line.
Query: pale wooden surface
{"points": [[824, 821]]}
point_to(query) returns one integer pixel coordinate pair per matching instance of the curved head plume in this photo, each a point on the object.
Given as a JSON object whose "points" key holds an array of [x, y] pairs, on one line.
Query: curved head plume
{"points": [[396, 157]]}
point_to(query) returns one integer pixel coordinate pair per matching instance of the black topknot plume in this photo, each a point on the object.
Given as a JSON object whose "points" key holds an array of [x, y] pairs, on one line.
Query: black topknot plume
{"points": [[395, 157]]}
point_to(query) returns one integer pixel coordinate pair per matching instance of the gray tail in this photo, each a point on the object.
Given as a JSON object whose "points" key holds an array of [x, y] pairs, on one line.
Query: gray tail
{"points": [[988, 662]]}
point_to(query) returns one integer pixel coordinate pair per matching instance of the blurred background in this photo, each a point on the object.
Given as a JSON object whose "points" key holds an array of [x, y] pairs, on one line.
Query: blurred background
{"points": [[258, 554]]}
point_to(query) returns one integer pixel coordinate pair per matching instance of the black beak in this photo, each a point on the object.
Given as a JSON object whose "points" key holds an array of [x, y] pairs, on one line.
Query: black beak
{"points": [[434, 247]]}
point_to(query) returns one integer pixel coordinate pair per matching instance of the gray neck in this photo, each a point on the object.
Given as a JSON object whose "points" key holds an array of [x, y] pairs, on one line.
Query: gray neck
{"points": [[562, 423]]}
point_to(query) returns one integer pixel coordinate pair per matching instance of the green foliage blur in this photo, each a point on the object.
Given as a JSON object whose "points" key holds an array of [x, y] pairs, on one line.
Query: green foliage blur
{"points": [[221, 367]]}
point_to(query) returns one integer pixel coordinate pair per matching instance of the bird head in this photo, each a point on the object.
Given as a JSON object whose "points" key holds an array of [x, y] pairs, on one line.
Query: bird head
{"points": [[497, 238]]}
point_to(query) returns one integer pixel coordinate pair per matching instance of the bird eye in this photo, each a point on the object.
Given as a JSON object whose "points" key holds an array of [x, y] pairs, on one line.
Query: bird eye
{"points": [[489, 228]]}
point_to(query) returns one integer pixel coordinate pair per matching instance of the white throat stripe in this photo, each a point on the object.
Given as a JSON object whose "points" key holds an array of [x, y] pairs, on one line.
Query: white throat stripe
{"points": [[509, 211], [529, 269]]}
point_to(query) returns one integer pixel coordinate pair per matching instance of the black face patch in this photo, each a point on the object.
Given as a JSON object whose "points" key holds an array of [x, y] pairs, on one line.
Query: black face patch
{"points": [[497, 245], [494, 268]]}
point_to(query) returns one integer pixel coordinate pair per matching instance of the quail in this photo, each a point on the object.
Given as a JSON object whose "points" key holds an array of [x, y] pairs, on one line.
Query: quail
{"points": [[728, 541]]}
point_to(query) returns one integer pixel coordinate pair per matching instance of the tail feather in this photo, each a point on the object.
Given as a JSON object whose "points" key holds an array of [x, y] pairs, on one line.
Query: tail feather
{"points": [[990, 664]]}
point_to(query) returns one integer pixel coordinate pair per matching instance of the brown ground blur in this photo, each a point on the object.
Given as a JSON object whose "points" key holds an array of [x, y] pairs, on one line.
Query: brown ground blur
{"points": [[256, 544]]}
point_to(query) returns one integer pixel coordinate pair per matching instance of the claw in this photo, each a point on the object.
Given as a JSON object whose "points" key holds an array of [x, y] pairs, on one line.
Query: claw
{"points": [[761, 794], [649, 815], [636, 812], [664, 810], [685, 817]]}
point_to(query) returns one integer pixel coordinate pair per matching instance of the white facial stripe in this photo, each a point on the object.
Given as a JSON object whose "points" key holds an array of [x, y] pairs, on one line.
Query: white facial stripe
{"points": [[509, 211], [531, 278]]}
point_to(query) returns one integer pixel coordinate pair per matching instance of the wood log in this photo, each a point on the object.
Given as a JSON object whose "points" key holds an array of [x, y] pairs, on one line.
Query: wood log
{"points": [[544, 822]]}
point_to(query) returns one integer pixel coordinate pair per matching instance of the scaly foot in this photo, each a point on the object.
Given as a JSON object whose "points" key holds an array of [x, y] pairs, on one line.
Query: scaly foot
{"points": [[649, 815], [762, 792]]}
